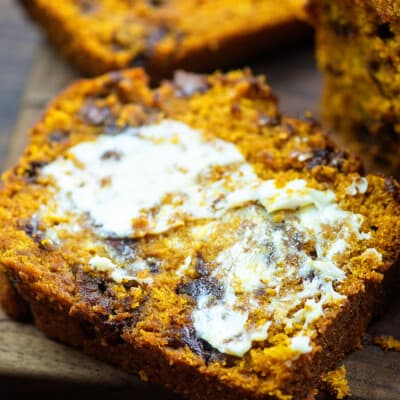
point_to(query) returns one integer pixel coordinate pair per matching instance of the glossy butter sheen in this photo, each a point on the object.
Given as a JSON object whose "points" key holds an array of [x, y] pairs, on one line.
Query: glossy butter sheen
{"points": [[150, 179]]}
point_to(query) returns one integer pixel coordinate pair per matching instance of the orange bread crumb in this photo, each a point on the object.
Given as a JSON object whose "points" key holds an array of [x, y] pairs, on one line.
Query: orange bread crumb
{"points": [[387, 343], [337, 382]]}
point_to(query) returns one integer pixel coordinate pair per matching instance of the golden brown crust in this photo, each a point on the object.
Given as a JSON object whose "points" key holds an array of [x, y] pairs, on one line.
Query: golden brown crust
{"points": [[143, 331], [190, 35]]}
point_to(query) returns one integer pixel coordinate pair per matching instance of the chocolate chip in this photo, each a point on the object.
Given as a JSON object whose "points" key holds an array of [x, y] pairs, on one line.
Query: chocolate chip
{"points": [[313, 253], [327, 157], [140, 60], [33, 170], [154, 37], [289, 128], [374, 65], [319, 157], [92, 291], [154, 265], [201, 266], [31, 228], [94, 115], [310, 119], [111, 155], [58, 136], [199, 346], [384, 31], [266, 120], [310, 276], [125, 248], [187, 83], [204, 286], [111, 127]]}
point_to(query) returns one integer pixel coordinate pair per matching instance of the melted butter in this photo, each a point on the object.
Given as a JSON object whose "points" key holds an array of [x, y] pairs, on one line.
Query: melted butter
{"points": [[122, 182], [150, 179]]}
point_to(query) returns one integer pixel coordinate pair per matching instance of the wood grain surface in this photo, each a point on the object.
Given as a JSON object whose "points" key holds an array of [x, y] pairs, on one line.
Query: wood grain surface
{"points": [[30, 364]]}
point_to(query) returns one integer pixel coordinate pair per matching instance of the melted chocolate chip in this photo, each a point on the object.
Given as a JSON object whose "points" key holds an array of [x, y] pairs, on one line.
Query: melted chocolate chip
{"points": [[204, 286], [31, 228], [111, 128], [154, 37], [327, 157], [310, 276], [111, 155], [139, 60], [384, 31], [187, 84], [199, 346], [94, 115], [58, 136], [112, 329], [310, 119], [289, 128], [201, 266], [313, 253], [92, 289], [125, 248], [32, 171], [154, 265]]}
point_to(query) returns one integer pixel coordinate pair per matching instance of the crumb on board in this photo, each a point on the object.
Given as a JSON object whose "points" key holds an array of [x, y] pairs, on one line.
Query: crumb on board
{"points": [[387, 343], [336, 382]]}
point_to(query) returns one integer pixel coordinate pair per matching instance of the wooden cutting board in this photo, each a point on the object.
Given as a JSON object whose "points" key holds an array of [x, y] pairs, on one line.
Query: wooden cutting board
{"points": [[31, 364]]}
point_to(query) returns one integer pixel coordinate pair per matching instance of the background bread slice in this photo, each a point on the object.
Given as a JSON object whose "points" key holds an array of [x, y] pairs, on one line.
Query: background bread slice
{"points": [[102, 36]]}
